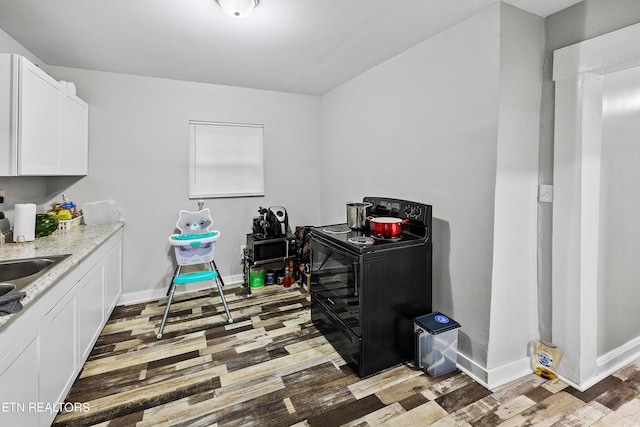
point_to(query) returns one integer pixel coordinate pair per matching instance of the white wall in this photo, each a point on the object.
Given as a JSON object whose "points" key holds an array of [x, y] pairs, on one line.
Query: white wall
{"points": [[422, 126], [513, 292], [618, 267], [138, 156], [9, 45], [453, 122]]}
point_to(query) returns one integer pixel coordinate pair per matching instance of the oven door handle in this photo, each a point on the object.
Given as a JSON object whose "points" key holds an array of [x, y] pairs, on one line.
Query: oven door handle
{"points": [[356, 277]]}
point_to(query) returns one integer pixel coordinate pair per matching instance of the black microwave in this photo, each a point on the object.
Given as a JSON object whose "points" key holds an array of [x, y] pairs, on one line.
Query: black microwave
{"points": [[265, 251]]}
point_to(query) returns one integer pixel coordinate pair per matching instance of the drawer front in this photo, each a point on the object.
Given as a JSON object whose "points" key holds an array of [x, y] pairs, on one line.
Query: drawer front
{"points": [[341, 337]]}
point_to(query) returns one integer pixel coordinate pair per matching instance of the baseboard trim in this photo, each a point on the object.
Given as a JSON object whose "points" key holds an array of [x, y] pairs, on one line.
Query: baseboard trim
{"points": [[495, 377], [607, 364], [619, 357], [613, 361], [472, 369], [151, 294]]}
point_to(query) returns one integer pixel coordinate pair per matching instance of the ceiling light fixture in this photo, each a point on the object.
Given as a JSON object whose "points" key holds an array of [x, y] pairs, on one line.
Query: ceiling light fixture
{"points": [[238, 8]]}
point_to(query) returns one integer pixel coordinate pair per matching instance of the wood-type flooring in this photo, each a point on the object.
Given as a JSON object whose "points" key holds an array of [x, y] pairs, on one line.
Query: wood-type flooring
{"points": [[271, 367]]}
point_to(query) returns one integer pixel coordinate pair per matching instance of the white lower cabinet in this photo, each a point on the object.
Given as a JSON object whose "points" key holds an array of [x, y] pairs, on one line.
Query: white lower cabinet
{"points": [[19, 380], [63, 326], [91, 303], [113, 279], [59, 363]]}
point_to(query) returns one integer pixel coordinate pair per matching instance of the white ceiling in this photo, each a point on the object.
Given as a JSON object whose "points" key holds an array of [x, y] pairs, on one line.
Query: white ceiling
{"points": [[300, 46]]}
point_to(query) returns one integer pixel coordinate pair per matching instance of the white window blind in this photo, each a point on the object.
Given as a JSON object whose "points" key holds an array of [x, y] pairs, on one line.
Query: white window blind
{"points": [[225, 160]]}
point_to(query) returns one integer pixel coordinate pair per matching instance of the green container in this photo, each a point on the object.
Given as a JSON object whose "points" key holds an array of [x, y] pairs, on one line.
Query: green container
{"points": [[256, 278]]}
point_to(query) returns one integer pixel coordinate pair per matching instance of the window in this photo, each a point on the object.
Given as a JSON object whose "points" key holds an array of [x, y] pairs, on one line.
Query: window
{"points": [[225, 160]]}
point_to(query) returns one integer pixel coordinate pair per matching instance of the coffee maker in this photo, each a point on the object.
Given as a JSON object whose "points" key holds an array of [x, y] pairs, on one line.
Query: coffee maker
{"points": [[273, 222]]}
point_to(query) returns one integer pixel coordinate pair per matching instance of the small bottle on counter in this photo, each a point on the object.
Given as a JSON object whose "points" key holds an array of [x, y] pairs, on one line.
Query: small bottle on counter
{"points": [[286, 280]]}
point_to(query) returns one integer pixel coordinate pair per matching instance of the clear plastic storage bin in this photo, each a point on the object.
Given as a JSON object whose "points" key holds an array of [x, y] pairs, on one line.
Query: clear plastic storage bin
{"points": [[436, 343]]}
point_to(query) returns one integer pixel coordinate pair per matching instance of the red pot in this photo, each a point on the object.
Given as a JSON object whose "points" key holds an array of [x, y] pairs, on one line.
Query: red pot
{"points": [[386, 227]]}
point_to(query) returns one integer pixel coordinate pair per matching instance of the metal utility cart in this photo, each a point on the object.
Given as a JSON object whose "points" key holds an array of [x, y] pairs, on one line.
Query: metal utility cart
{"points": [[268, 253]]}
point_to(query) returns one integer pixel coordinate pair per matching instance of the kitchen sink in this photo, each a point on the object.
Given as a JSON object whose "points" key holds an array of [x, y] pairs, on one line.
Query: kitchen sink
{"points": [[21, 272]]}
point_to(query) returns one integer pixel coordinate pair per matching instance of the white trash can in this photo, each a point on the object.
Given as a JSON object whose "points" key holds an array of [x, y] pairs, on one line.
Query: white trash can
{"points": [[436, 343]]}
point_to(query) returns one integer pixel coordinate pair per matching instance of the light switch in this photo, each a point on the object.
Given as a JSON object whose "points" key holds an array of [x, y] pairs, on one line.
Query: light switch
{"points": [[545, 193]]}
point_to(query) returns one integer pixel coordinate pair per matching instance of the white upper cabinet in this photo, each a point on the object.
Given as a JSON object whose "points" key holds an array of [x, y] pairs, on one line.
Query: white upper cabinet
{"points": [[39, 118], [43, 127], [74, 146]]}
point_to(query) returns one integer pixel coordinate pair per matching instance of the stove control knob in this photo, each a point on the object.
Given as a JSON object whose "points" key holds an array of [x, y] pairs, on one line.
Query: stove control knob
{"points": [[417, 211], [407, 210]]}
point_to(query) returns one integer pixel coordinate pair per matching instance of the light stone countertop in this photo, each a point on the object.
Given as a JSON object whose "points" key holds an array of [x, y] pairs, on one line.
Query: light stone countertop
{"points": [[80, 242]]}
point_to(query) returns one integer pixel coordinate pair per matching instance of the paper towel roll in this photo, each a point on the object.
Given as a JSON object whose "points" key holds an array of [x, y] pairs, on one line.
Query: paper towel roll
{"points": [[24, 223]]}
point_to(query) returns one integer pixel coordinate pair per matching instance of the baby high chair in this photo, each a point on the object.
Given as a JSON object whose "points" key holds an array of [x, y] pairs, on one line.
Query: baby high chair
{"points": [[194, 245]]}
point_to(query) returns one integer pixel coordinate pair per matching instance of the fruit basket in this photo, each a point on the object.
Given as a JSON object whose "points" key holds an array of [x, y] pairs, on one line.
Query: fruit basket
{"points": [[66, 225]]}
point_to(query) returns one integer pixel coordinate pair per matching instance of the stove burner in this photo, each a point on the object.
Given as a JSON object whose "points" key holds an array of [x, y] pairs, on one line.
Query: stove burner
{"points": [[337, 229], [392, 239], [361, 240]]}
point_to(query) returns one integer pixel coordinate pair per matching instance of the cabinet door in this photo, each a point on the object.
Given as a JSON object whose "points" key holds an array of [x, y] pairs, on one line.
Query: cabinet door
{"points": [[38, 122], [91, 303], [8, 117], [74, 141], [113, 279], [19, 380], [59, 358]]}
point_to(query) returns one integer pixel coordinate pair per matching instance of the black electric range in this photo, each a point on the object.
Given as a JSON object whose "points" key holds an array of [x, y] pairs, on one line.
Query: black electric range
{"points": [[366, 291], [416, 231]]}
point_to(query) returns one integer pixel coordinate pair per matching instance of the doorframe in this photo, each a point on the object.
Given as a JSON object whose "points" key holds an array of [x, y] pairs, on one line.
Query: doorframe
{"points": [[578, 72]]}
